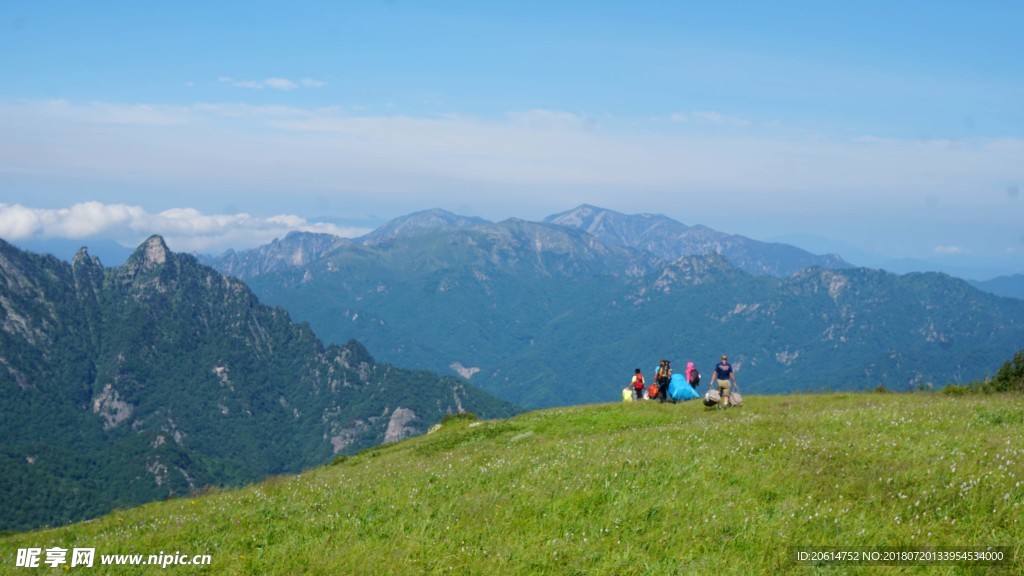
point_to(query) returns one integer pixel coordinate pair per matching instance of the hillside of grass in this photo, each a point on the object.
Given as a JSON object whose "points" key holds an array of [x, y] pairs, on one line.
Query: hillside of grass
{"points": [[641, 488]]}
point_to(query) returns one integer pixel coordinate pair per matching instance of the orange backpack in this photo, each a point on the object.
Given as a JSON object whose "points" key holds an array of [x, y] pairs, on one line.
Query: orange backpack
{"points": [[652, 391]]}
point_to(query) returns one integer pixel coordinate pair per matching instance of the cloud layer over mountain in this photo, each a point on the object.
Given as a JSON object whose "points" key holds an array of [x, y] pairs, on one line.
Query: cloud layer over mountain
{"points": [[185, 229]]}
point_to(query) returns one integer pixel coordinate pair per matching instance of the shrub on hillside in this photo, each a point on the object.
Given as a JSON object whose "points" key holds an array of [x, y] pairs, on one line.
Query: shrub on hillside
{"points": [[467, 417], [1010, 376], [959, 389]]}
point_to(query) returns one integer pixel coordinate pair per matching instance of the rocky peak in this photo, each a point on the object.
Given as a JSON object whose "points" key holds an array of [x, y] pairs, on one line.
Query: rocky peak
{"points": [[669, 239], [694, 270], [87, 271], [151, 254], [155, 251], [296, 250], [613, 226], [146, 264], [656, 234], [581, 217], [84, 260], [424, 221]]}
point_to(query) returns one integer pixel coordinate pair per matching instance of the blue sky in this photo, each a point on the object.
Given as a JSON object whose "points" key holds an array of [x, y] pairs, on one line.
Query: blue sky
{"points": [[890, 129]]}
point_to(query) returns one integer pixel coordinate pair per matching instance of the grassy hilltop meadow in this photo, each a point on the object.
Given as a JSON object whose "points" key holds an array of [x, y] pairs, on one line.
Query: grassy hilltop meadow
{"points": [[641, 488]]}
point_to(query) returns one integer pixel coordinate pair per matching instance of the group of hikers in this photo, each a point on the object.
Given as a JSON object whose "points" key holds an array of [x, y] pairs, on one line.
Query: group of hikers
{"points": [[674, 387]]}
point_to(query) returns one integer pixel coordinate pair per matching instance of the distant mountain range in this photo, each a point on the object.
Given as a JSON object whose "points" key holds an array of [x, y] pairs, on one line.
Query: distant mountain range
{"points": [[668, 239], [163, 376], [561, 311], [1008, 286], [649, 238]]}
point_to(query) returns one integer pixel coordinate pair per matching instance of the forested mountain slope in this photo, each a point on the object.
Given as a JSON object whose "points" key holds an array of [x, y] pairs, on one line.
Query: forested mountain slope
{"points": [[162, 376]]}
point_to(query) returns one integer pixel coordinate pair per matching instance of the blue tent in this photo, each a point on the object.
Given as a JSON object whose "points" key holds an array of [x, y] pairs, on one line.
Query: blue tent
{"points": [[680, 389]]}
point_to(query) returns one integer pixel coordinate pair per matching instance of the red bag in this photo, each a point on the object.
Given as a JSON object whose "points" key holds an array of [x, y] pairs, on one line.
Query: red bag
{"points": [[652, 391]]}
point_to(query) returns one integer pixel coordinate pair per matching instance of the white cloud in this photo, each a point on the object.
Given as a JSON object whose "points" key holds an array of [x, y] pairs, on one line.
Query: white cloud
{"points": [[951, 250], [17, 222], [250, 111], [102, 113], [549, 120], [274, 83], [185, 229], [280, 84], [720, 119], [710, 117], [88, 219]]}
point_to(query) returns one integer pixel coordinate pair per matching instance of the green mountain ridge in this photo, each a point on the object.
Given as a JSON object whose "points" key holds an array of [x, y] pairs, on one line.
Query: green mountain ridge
{"points": [[162, 376], [630, 489]]}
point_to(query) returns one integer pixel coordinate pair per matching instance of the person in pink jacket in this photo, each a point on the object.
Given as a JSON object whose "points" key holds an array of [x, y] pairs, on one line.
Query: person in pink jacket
{"points": [[691, 378]]}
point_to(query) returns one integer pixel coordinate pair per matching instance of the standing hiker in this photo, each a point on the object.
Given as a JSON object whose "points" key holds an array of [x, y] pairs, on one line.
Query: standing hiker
{"points": [[692, 375], [638, 384], [662, 378], [725, 379]]}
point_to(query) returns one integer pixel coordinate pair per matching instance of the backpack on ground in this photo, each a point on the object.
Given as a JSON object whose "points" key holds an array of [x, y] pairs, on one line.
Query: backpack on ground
{"points": [[712, 397], [694, 378], [627, 394], [734, 398]]}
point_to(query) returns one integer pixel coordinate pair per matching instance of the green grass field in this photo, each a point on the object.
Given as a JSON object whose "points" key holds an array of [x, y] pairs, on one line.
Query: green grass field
{"points": [[642, 488]]}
